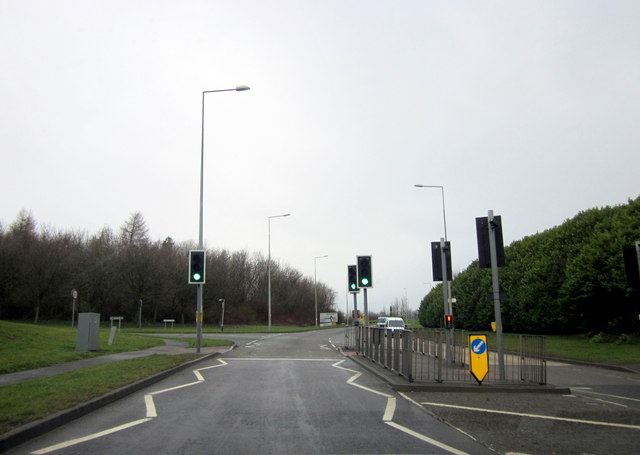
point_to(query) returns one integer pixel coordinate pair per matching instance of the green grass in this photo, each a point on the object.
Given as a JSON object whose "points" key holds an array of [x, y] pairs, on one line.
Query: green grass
{"points": [[32, 400], [28, 346], [578, 347]]}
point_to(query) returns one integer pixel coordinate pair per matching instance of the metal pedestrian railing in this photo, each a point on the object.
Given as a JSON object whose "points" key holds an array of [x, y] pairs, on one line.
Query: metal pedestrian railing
{"points": [[426, 355]]}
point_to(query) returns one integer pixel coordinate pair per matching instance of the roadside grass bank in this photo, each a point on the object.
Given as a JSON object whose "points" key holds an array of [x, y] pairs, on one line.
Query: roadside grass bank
{"points": [[29, 346], [33, 400], [607, 349]]}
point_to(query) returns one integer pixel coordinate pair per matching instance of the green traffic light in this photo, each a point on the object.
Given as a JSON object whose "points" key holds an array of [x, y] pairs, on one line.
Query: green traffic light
{"points": [[353, 286], [196, 277], [365, 281]]}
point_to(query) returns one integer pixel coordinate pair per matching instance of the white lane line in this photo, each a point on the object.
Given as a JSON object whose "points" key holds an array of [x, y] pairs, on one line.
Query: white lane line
{"points": [[534, 416], [587, 390], [262, 359], [73, 442], [150, 408], [390, 410], [426, 439]]}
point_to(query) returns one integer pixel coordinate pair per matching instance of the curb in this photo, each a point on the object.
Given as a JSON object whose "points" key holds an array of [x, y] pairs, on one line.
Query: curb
{"points": [[400, 384], [31, 430]]}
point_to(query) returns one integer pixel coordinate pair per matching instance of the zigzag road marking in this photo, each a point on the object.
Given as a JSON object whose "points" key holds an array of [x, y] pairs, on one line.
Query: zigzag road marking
{"points": [[390, 409], [151, 414]]}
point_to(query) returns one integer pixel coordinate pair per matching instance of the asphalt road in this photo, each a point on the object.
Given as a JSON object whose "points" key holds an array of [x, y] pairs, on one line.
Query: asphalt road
{"points": [[275, 394], [601, 416]]}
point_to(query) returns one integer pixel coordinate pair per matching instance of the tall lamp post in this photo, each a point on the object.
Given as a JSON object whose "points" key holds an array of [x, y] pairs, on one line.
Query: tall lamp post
{"points": [[444, 215], [269, 266], [448, 310], [447, 287], [315, 282], [240, 88]]}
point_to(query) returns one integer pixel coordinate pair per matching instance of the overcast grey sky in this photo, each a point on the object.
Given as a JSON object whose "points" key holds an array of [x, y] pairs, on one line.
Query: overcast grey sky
{"points": [[528, 108]]}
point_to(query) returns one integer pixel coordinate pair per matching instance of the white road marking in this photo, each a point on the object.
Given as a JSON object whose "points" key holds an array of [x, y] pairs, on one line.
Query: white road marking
{"points": [[426, 439], [73, 442], [535, 416], [588, 390], [390, 409], [151, 413], [151, 406]]}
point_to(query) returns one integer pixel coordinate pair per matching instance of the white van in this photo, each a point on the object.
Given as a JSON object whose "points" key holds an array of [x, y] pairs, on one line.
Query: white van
{"points": [[382, 322], [394, 324]]}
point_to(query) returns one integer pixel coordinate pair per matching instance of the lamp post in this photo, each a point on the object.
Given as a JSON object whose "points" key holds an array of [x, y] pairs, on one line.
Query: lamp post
{"points": [[269, 266], [446, 289], [315, 282], [448, 309], [239, 88], [444, 215]]}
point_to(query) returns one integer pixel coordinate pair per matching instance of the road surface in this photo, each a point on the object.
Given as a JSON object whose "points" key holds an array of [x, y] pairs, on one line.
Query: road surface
{"points": [[274, 394]]}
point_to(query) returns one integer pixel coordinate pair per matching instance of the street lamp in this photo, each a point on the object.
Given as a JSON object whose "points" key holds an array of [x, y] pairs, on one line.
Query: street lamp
{"points": [[448, 309], [444, 216], [269, 265], [240, 88], [315, 282], [446, 288]]}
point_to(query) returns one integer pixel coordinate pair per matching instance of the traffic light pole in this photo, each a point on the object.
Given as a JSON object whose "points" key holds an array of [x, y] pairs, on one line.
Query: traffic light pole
{"points": [[496, 292], [445, 297], [366, 309]]}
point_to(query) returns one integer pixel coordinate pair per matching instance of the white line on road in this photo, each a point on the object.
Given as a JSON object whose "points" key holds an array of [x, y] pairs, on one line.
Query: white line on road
{"points": [[151, 413], [588, 390], [72, 442], [534, 416], [389, 412], [426, 439]]}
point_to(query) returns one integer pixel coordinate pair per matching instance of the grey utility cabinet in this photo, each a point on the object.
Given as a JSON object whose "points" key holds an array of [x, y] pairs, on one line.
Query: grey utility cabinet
{"points": [[88, 332]]}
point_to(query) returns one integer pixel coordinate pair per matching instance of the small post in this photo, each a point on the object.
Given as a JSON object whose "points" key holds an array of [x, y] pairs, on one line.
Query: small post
{"points": [[222, 315], [140, 315], [74, 294]]}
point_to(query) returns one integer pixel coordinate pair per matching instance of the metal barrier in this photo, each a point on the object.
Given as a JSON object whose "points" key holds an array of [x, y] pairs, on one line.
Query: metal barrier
{"points": [[440, 355]]}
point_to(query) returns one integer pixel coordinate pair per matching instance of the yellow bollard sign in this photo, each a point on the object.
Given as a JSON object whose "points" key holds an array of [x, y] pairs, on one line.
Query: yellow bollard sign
{"points": [[478, 357]]}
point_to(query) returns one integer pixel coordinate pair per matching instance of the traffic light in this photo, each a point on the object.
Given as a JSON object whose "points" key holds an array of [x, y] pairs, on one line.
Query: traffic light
{"points": [[448, 321], [197, 267], [364, 272], [353, 278]]}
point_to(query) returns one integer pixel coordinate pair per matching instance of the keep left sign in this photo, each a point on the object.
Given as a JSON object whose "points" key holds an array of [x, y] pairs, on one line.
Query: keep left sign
{"points": [[478, 357]]}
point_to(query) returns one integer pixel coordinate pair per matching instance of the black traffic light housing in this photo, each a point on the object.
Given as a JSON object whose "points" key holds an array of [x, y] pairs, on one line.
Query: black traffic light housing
{"points": [[197, 267], [365, 279], [631, 256], [448, 321], [352, 273], [436, 261]]}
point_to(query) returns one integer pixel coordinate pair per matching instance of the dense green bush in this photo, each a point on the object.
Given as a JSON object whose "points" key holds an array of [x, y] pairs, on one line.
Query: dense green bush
{"points": [[568, 279]]}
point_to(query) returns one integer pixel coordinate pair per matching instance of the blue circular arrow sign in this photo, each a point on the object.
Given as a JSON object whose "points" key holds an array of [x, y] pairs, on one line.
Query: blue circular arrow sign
{"points": [[478, 346]]}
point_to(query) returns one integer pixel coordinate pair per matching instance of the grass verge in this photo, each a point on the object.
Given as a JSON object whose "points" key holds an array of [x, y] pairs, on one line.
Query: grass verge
{"points": [[32, 400], [578, 347], [28, 346]]}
